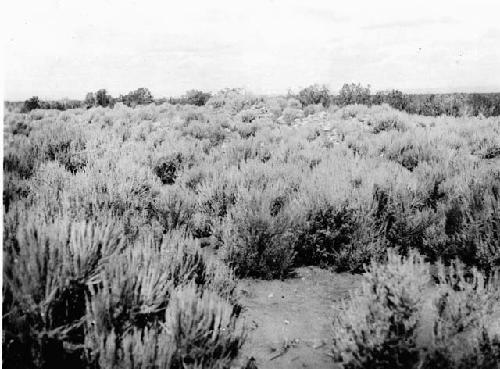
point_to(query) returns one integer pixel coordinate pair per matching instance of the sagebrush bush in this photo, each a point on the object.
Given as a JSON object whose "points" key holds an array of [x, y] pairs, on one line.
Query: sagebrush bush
{"points": [[383, 118], [377, 328], [412, 150], [254, 241], [62, 142], [467, 222], [399, 319], [290, 114], [326, 235], [199, 331], [167, 167], [171, 291], [58, 268], [45, 273], [20, 157]]}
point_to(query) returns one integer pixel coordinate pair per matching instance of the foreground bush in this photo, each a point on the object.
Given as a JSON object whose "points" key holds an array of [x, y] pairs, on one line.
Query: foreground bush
{"points": [[77, 294], [398, 319], [199, 331]]}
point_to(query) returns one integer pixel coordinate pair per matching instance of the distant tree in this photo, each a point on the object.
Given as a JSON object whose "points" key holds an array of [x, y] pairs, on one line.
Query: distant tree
{"points": [[102, 98], [90, 99], [396, 99], [30, 104], [354, 94], [379, 97], [196, 97], [141, 96], [161, 100], [314, 95], [453, 104], [430, 106], [484, 104]]}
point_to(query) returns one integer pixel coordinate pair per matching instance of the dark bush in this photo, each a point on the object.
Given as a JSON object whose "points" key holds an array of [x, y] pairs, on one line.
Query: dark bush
{"points": [[167, 167], [31, 104], [314, 95], [141, 96], [196, 97]]}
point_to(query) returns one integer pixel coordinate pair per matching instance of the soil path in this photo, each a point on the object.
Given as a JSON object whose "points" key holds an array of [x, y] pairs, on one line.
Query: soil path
{"points": [[290, 321]]}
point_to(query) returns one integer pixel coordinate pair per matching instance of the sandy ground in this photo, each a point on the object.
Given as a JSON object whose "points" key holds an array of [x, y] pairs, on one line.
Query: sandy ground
{"points": [[290, 321]]}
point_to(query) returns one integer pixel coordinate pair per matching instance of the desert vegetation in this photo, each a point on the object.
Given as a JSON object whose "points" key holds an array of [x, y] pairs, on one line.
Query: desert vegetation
{"points": [[127, 226]]}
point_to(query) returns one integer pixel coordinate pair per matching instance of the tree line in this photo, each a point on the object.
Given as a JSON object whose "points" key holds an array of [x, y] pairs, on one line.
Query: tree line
{"points": [[453, 104]]}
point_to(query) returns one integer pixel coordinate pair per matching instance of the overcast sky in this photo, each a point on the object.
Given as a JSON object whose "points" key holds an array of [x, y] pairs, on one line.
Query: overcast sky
{"points": [[57, 49]]}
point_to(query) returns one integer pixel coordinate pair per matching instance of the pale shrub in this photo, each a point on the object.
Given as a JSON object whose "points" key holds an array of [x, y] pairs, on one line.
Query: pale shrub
{"points": [[398, 319]]}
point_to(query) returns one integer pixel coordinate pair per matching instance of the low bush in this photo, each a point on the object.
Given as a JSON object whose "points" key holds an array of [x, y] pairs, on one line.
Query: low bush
{"points": [[398, 319], [385, 121], [168, 167], [77, 291], [326, 237], [289, 115], [256, 243], [200, 330]]}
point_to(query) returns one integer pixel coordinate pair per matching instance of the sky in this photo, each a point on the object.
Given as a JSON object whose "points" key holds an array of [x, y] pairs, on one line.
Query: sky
{"points": [[56, 49]]}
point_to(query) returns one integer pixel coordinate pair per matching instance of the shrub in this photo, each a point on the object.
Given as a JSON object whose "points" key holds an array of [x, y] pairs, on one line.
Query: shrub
{"points": [[465, 306], [315, 95], [167, 167], [385, 121], [20, 157], [313, 109], [61, 142], [471, 225], [411, 150], [232, 100], [216, 195], [171, 294], [248, 115], [256, 243], [46, 272], [214, 134], [326, 235], [194, 116], [396, 319], [394, 98], [354, 94], [90, 100], [31, 104], [141, 96], [77, 291], [102, 98], [200, 330], [353, 111], [174, 207], [196, 97], [377, 328], [291, 114]]}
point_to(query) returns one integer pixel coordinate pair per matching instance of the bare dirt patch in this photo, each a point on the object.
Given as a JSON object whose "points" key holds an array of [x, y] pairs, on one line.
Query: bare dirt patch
{"points": [[290, 321]]}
